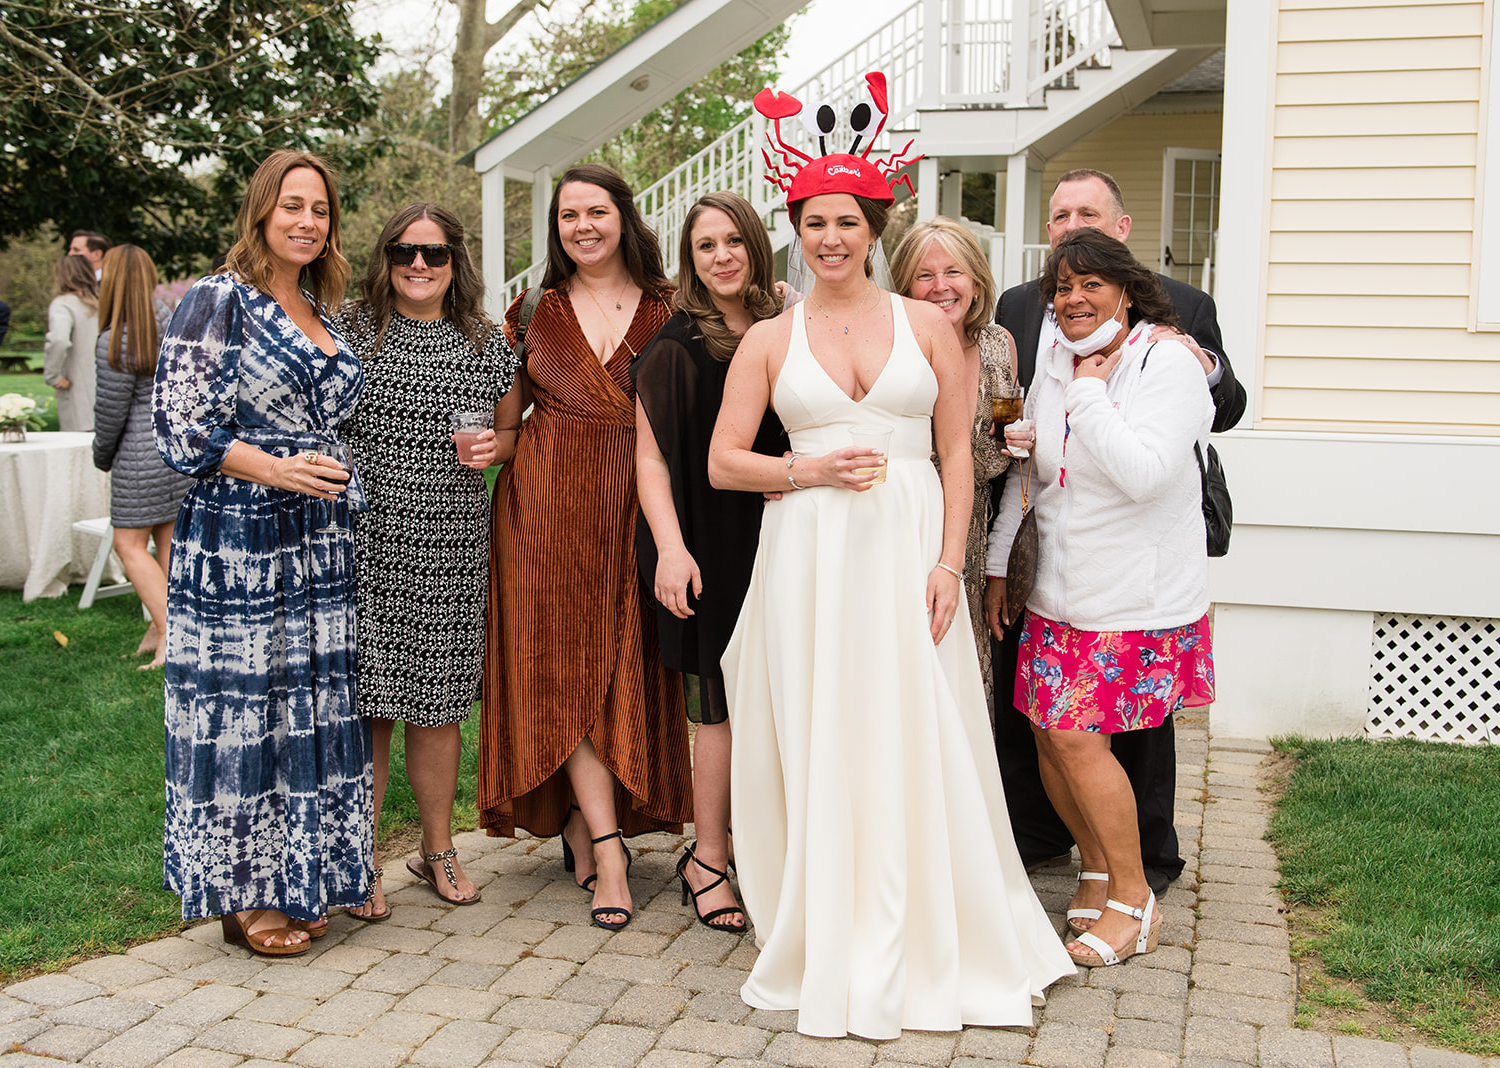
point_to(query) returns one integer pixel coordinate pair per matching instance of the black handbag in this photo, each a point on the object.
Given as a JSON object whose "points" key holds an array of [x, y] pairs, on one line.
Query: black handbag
{"points": [[1218, 509]]}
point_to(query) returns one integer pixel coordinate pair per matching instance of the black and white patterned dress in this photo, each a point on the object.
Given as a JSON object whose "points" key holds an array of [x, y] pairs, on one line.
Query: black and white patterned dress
{"points": [[422, 550]]}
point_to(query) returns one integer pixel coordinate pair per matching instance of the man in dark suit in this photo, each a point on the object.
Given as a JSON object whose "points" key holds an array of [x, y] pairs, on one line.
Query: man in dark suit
{"points": [[1149, 757]]}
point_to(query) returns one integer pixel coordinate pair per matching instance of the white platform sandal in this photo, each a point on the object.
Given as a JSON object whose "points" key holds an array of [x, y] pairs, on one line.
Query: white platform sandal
{"points": [[1086, 914], [1102, 953]]}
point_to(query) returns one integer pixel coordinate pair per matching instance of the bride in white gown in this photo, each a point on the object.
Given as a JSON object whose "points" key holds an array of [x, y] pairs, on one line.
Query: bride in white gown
{"points": [[873, 846]]}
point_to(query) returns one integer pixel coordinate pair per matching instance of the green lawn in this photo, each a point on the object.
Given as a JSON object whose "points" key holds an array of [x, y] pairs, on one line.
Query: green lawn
{"points": [[1396, 844], [81, 797]]}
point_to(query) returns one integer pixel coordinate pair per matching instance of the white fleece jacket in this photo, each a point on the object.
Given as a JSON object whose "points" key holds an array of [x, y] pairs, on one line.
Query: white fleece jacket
{"points": [[1121, 531]]}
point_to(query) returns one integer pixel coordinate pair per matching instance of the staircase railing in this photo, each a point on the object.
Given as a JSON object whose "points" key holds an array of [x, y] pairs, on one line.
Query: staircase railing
{"points": [[980, 49]]}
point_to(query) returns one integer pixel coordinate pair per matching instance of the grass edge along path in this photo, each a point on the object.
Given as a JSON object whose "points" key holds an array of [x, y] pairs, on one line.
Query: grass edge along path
{"points": [[1394, 845], [81, 795]]}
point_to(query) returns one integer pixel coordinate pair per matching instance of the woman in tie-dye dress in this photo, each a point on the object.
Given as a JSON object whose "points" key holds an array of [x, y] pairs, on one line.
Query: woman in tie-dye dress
{"points": [[269, 807]]}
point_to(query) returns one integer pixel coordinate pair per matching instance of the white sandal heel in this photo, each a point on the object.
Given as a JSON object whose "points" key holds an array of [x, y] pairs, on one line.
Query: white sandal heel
{"points": [[1086, 914], [1103, 953]]}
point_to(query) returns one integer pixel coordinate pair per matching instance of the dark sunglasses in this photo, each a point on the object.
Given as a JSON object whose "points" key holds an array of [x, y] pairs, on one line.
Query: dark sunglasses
{"points": [[404, 255]]}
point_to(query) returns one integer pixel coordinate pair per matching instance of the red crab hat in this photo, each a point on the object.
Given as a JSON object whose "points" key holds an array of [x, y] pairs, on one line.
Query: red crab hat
{"points": [[839, 172], [801, 176]]}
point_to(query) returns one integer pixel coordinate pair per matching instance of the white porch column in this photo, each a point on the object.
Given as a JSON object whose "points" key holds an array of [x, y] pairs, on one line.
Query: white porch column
{"points": [[932, 53], [951, 197], [927, 188], [492, 226], [1019, 70], [541, 200], [1022, 207]]}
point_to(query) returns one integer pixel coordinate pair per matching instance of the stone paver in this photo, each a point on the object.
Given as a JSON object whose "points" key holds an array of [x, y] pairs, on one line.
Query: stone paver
{"points": [[522, 979]]}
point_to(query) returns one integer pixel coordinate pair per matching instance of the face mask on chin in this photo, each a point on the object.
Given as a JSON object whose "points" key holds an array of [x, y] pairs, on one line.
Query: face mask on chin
{"points": [[1101, 336]]}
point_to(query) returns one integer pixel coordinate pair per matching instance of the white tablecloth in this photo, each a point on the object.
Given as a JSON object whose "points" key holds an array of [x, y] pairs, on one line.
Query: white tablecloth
{"points": [[46, 485]]}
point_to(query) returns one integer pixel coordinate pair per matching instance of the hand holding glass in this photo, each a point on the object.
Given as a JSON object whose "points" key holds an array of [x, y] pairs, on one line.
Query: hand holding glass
{"points": [[342, 456], [874, 438], [467, 426], [1007, 407]]}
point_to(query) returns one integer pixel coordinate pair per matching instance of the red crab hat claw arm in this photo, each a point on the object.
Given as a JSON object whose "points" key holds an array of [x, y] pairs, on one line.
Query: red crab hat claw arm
{"points": [[777, 106], [876, 81]]}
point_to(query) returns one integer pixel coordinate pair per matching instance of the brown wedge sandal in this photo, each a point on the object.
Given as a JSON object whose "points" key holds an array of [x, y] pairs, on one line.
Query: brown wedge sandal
{"points": [[237, 933]]}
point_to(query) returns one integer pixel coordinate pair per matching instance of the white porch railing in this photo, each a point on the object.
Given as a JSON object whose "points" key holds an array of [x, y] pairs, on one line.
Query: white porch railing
{"points": [[979, 45]]}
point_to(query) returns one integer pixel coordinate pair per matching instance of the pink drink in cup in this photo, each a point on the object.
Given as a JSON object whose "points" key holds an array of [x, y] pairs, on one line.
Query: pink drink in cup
{"points": [[467, 426]]}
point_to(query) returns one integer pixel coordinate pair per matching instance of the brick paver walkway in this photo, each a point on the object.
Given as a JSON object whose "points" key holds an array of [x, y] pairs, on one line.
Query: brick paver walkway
{"points": [[522, 979]]}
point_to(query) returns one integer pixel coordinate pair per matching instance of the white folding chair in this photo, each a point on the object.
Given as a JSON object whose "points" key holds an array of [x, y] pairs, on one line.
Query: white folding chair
{"points": [[100, 529]]}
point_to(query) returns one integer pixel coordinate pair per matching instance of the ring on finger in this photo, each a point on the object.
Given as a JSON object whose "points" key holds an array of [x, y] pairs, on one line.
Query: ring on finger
{"points": [[310, 456]]}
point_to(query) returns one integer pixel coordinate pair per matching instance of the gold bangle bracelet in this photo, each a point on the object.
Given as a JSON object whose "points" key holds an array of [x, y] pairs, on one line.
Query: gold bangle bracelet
{"points": [[952, 571]]}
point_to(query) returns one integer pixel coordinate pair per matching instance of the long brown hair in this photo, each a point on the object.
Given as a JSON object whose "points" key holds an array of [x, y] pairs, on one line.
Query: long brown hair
{"points": [[75, 275], [638, 244], [1090, 251], [956, 240], [759, 293], [463, 304], [127, 308], [326, 277]]}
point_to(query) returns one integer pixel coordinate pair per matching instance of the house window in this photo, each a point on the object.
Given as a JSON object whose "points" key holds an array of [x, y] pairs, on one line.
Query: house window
{"points": [[1189, 215]]}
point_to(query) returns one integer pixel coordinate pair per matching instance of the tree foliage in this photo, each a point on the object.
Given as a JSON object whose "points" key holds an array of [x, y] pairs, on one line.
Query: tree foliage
{"points": [[144, 118], [412, 130], [476, 36]]}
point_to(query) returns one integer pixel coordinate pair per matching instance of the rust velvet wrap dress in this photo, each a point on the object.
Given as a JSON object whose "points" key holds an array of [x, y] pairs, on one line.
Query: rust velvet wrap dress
{"points": [[571, 650]]}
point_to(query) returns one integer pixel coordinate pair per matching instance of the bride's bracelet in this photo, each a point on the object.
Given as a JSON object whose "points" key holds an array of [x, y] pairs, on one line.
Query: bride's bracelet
{"points": [[952, 571], [789, 461]]}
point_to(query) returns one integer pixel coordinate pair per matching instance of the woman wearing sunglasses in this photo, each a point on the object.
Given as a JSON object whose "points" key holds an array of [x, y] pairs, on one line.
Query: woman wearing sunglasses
{"points": [[421, 551]]}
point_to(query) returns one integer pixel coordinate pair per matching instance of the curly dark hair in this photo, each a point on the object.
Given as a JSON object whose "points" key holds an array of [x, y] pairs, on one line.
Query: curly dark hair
{"points": [[1090, 251], [759, 293], [463, 304], [638, 244]]}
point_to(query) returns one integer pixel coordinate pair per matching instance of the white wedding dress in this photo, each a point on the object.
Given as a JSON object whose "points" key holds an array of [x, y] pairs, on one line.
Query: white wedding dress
{"points": [[873, 846]]}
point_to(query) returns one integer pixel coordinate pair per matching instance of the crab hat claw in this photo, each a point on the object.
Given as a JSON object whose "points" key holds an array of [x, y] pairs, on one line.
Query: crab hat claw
{"points": [[774, 105], [876, 81]]}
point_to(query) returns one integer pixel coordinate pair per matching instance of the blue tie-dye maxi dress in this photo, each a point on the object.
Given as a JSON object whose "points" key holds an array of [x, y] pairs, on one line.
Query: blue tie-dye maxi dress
{"points": [[268, 767]]}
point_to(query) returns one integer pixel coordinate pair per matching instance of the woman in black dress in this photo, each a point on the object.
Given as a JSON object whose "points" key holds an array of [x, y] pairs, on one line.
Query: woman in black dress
{"points": [[696, 544], [421, 551]]}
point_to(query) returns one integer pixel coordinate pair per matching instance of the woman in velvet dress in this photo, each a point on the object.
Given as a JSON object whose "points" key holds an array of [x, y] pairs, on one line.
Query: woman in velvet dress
{"points": [[697, 544], [578, 709]]}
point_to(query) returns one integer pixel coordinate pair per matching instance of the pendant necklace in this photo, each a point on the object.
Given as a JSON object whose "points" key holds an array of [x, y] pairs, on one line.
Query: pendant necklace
{"points": [[870, 291], [604, 313], [618, 305]]}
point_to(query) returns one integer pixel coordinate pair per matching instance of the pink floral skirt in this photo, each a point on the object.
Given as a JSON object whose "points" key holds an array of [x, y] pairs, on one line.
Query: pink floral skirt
{"points": [[1111, 681]]}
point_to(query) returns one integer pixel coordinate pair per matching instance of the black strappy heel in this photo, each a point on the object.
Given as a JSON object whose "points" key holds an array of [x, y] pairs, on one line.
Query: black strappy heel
{"points": [[612, 909], [569, 861], [688, 856]]}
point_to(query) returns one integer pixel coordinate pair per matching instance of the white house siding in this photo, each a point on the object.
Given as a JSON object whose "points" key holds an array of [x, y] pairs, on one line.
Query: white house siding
{"points": [[1131, 149], [1361, 591], [1372, 205]]}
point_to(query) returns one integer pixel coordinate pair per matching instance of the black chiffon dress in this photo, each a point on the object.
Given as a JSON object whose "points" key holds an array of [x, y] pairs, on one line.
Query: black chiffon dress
{"points": [[680, 387]]}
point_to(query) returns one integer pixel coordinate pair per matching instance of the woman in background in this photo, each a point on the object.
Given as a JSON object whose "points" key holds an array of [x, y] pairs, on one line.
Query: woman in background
{"points": [[269, 806], [422, 550], [144, 493], [72, 330], [940, 261], [696, 544], [578, 710]]}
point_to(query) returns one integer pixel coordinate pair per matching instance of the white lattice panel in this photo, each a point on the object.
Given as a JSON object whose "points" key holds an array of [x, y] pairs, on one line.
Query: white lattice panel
{"points": [[1436, 678]]}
